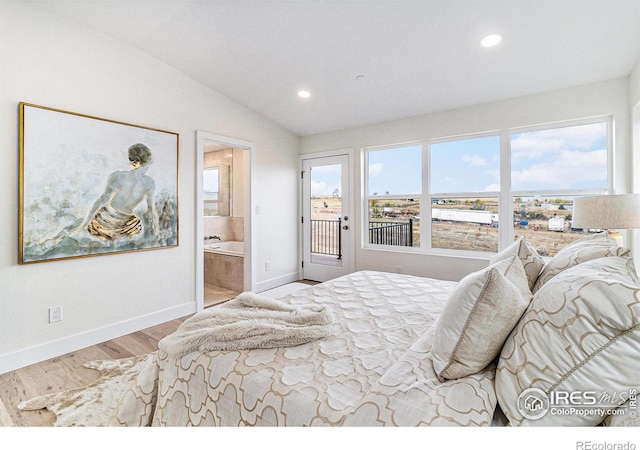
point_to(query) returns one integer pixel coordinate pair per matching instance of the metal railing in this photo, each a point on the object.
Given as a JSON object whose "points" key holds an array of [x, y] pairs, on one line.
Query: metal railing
{"points": [[326, 238], [391, 233]]}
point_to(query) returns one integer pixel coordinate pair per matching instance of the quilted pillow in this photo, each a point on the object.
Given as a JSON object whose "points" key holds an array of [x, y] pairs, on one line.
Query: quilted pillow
{"points": [[477, 318], [589, 247], [531, 260], [580, 334]]}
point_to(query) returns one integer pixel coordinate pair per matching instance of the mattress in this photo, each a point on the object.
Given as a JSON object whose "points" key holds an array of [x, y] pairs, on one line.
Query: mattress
{"points": [[375, 370]]}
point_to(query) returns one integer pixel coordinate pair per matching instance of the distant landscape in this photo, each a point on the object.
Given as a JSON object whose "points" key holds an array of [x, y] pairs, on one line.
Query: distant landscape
{"points": [[531, 219]]}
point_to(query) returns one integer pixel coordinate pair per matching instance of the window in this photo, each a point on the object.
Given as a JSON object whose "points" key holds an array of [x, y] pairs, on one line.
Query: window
{"points": [[464, 187], [469, 194], [211, 183], [394, 191], [548, 169]]}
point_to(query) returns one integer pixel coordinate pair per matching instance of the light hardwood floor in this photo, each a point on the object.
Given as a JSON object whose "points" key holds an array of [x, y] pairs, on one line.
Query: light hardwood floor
{"points": [[67, 371], [214, 295]]}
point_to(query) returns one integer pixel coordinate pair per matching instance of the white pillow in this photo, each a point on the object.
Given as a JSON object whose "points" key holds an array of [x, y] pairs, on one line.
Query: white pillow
{"points": [[580, 334], [531, 260], [598, 245], [477, 318]]}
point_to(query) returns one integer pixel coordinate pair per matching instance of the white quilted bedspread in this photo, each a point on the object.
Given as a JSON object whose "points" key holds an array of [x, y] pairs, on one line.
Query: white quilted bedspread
{"points": [[375, 370]]}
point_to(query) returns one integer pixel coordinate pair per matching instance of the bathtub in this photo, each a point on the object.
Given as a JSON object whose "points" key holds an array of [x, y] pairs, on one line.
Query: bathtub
{"points": [[224, 264], [229, 248]]}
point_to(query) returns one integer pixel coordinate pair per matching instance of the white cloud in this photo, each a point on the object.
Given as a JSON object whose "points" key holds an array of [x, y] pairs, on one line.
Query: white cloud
{"points": [[474, 160], [532, 146], [375, 169], [564, 171], [320, 188], [538, 143]]}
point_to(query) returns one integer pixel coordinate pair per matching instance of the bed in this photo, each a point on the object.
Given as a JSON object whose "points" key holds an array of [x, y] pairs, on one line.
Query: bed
{"points": [[524, 341], [374, 370]]}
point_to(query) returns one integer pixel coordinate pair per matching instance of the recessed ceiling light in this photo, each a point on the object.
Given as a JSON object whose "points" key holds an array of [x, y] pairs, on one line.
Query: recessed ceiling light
{"points": [[304, 94], [491, 41]]}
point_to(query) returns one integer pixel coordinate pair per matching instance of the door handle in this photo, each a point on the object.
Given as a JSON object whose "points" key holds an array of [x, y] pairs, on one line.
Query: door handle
{"points": [[345, 227], [345, 218]]}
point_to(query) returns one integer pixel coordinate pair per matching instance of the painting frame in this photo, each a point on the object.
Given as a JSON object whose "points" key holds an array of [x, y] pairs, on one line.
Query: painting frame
{"points": [[90, 186]]}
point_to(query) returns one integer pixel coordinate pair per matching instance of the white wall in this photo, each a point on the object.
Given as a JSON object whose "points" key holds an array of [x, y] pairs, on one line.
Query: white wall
{"points": [[51, 62], [634, 103], [607, 98], [634, 85]]}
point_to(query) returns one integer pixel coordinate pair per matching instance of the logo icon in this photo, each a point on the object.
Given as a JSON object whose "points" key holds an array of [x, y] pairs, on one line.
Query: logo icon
{"points": [[533, 403]]}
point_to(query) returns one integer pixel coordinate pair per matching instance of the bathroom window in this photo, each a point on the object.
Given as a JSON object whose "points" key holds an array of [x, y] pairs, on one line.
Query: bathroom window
{"points": [[211, 182], [215, 181]]}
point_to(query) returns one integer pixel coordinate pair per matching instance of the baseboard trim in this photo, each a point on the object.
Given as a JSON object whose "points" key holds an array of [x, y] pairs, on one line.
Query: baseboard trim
{"points": [[32, 355], [277, 282]]}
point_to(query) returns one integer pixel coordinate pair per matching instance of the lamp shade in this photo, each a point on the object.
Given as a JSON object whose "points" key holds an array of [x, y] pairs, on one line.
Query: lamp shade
{"points": [[607, 211]]}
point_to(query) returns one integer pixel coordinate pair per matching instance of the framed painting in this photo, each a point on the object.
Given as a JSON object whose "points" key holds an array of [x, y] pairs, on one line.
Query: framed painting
{"points": [[91, 186]]}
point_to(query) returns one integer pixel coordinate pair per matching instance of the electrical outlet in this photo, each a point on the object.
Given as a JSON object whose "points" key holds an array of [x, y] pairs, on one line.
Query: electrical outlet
{"points": [[55, 314], [267, 266]]}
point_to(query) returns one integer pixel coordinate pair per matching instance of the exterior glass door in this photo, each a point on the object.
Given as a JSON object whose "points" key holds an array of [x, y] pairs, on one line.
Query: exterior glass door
{"points": [[326, 218]]}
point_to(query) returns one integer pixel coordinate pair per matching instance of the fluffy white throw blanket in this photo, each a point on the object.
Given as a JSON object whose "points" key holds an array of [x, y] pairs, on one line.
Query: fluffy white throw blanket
{"points": [[249, 321]]}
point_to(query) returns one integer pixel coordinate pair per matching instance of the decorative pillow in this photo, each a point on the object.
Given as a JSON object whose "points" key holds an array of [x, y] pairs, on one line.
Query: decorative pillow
{"points": [[580, 337], [478, 317], [513, 269], [589, 247], [531, 260]]}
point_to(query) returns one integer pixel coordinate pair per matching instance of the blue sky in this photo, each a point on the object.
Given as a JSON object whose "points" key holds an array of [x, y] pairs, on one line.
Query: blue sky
{"points": [[397, 171], [561, 158], [325, 180], [470, 165]]}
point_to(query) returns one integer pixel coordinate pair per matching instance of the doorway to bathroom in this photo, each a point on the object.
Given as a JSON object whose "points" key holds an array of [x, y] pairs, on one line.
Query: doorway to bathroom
{"points": [[224, 265]]}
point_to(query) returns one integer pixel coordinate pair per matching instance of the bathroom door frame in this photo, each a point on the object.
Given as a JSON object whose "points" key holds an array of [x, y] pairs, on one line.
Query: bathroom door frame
{"points": [[249, 241]]}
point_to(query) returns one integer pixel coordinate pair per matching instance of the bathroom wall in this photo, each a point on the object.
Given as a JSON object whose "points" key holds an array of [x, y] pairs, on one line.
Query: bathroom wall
{"points": [[227, 228]]}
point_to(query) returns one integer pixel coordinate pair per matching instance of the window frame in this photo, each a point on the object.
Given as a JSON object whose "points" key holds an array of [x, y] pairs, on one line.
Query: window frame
{"points": [[364, 232], [506, 230]]}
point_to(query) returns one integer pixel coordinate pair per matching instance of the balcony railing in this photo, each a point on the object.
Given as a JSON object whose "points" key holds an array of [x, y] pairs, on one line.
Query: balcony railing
{"points": [[326, 238], [391, 233]]}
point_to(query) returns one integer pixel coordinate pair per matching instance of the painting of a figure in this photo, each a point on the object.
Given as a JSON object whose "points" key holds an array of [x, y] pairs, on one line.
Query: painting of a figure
{"points": [[91, 186]]}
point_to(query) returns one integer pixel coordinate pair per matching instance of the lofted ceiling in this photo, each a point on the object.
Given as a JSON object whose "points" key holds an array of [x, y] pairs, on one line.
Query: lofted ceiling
{"points": [[371, 61]]}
